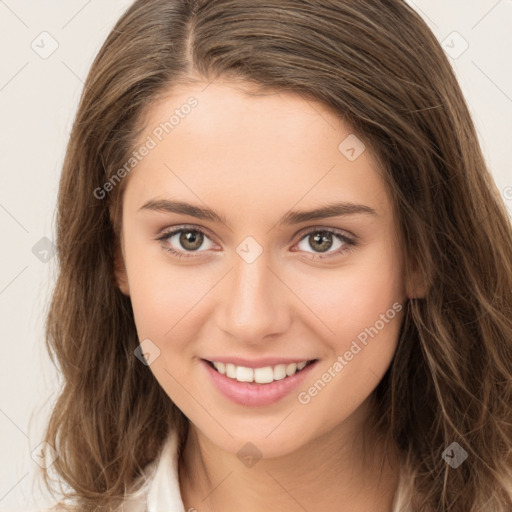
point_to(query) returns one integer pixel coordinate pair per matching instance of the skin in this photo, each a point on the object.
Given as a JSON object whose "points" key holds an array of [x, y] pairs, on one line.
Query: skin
{"points": [[252, 158]]}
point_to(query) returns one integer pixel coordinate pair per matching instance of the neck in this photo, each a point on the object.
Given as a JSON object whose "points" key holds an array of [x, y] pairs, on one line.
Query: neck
{"points": [[332, 472]]}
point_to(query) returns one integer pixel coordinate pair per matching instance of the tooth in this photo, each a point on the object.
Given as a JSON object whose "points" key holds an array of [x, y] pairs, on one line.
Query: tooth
{"points": [[264, 375], [291, 369], [221, 367], [279, 372], [244, 374], [230, 370]]}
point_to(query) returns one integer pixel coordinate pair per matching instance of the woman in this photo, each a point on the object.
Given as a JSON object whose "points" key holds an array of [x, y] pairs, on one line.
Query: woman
{"points": [[214, 357]]}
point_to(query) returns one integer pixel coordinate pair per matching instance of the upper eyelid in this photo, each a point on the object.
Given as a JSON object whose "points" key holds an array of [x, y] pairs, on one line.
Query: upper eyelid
{"points": [[336, 231], [168, 232]]}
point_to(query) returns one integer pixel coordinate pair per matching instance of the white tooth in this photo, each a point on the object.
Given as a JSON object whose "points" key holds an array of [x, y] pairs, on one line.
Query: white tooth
{"points": [[279, 372], [244, 374], [291, 369], [221, 367], [231, 370], [263, 375]]}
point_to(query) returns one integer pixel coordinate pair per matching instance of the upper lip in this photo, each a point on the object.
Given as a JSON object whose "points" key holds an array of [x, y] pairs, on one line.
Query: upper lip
{"points": [[257, 363]]}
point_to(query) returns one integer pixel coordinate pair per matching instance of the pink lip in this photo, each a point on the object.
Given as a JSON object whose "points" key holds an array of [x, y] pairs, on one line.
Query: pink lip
{"points": [[251, 393], [256, 363]]}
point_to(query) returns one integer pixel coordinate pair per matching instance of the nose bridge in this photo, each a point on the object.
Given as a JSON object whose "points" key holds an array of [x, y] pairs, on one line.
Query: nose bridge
{"points": [[253, 305]]}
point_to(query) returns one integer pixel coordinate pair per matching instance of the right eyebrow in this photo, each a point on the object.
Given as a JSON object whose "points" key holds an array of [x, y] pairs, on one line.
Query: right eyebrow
{"points": [[166, 205]]}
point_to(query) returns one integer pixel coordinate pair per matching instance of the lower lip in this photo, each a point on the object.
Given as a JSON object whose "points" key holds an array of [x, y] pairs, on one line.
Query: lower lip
{"points": [[253, 394]]}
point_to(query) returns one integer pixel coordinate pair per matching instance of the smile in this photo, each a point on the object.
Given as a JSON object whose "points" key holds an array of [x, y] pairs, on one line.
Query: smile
{"points": [[263, 375]]}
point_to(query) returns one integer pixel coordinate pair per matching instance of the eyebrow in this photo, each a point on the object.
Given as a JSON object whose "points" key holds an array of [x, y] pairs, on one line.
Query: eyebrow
{"points": [[289, 218]]}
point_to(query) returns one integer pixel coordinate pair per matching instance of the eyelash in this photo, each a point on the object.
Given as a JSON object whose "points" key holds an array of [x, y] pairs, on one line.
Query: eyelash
{"points": [[349, 242]]}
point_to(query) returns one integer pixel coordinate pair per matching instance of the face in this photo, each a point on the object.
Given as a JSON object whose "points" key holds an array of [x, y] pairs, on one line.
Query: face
{"points": [[255, 281]]}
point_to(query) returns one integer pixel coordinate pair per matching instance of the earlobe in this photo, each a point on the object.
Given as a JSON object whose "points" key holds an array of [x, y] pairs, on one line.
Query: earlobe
{"points": [[417, 286], [120, 274]]}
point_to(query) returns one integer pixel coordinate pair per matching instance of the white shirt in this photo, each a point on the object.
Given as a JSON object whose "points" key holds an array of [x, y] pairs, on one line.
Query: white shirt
{"points": [[161, 492]]}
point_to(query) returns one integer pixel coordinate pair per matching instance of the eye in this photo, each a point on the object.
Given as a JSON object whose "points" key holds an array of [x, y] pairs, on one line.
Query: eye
{"points": [[186, 240], [321, 240]]}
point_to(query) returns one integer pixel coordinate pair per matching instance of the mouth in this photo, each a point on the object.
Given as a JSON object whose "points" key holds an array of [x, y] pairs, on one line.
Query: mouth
{"points": [[256, 386], [260, 375]]}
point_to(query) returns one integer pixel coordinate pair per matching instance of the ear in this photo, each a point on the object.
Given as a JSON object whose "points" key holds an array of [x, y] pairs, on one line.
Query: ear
{"points": [[120, 274], [417, 284]]}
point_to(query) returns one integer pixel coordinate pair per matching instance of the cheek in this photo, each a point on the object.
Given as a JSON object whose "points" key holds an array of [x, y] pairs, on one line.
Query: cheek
{"points": [[167, 302], [166, 306], [351, 298], [156, 294], [366, 316], [366, 313], [163, 297], [362, 305]]}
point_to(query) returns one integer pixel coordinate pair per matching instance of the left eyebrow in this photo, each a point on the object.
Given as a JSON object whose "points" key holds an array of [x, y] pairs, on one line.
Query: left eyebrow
{"points": [[290, 218], [330, 210]]}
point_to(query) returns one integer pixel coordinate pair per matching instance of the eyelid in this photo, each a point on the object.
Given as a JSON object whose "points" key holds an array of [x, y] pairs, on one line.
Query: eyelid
{"points": [[338, 231], [168, 232]]}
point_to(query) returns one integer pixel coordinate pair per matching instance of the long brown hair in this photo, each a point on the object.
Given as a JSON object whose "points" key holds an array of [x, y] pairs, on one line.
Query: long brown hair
{"points": [[378, 66]]}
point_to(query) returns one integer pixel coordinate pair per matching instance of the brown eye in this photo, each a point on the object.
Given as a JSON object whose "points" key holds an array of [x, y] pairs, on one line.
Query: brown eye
{"points": [[184, 240], [322, 240], [191, 239]]}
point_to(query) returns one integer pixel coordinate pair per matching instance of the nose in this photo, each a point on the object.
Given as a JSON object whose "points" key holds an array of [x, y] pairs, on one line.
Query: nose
{"points": [[254, 304]]}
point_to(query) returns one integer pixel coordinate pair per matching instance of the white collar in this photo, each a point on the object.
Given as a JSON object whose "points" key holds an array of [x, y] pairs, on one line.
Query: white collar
{"points": [[160, 491], [164, 490]]}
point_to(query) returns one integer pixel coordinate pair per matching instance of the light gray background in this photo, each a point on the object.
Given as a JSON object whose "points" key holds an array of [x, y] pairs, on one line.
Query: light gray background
{"points": [[38, 99]]}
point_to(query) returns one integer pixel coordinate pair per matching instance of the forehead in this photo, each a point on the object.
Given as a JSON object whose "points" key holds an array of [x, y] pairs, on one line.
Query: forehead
{"points": [[221, 141]]}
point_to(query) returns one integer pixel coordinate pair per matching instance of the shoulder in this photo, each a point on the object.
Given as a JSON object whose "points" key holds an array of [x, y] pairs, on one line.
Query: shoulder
{"points": [[58, 507], [133, 503], [156, 489]]}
